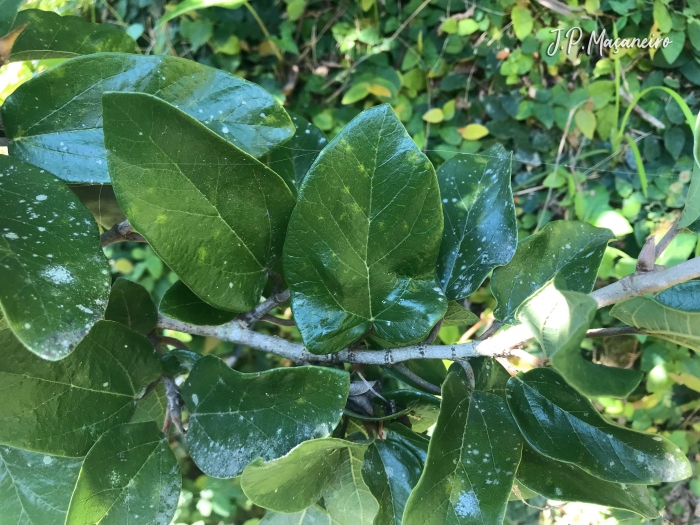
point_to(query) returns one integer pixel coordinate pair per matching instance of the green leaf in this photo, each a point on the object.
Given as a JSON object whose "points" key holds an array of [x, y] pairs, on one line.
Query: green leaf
{"points": [[193, 5], [684, 296], [49, 35], [130, 475], [63, 407], [322, 468], [489, 376], [236, 418], [356, 93], [64, 134], [565, 482], [480, 227], [131, 305], [152, 407], [35, 489], [662, 16], [54, 274], [292, 160], [391, 468], [559, 320], [227, 211], [458, 315], [586, 121], [314, 515], [179, 302], [571, 248], [100, 200], [8, 14], [659, 320], [473, 455], [522, 22], [475, 132], [691, 211], [367, 261], [560, 423], [423, 408], [434, 116]]}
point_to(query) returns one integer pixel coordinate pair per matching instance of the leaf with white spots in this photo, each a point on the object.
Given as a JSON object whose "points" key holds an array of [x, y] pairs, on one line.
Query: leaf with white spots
{"points": [[236, 418], [55, 278], [472, 459], [480, 228], [363, 239], [129, 477], [35, 489], [313, 515], [571, 249], [63, 407], [214, 214], [560, 423]]}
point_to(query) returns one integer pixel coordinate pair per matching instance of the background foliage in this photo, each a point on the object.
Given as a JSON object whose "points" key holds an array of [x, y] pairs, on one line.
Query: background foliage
{"points": [[463, 76]]}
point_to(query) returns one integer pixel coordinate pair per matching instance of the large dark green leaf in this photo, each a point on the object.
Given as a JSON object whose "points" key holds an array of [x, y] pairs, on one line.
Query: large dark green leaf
{"points": [[8, 13], [472, 458], [130, 476], [179, 302], [559, 320], [63, 134], [363, 239], [572, 249], [236, 418], [35, 489], [130, 304], [565, 482], [63, 407], [560, 423], [391, 468], [480, 228], [55, 278], [49, 35], [214, 214], [292, 160], [328, 468], [659, 320], [684, 296], [314, 515]]}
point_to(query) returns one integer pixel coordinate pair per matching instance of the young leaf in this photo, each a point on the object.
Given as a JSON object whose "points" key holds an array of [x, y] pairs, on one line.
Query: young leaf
{"points": [[314, 469], [659, 320], [35, 489], [391, 468], [313, 515], [458, 315], [570, 248], [131, 305], [64, 134], [63, 407], [54, 274], [559, 320], [130, 475], [480, 228], [236, 418], [49, 35], [564, 482], [560, 423], [179, 302], [292, 160], [472, 458], [363, 239], [178, 181]]}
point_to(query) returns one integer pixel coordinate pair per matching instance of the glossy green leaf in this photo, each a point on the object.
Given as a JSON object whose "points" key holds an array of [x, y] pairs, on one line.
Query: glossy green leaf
{"points": [[322, 468], [152, 407], [391, 468], [179, 302], [565, 482], [131, 305], [560, 423], [193, 5], [691, 210], [314, 515], [63, 407], [236, 418], [55, 278], [458, 315], [363, 239], [423, 409], [661, 321], [130, 476], [472, 458], [292, 160], [684, 296], [49, 35], [572, 249], [480, 228], [559, 320], [214, 214], [64, 133], [35, 489], [8, 13], [489, 376]]}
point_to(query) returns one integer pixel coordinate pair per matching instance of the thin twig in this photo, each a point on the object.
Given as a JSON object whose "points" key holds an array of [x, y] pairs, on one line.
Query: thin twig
{"points": [[174, 409], [277, 320], [495, 327], [272, 302], [415, 378], [668, 238], [120, 232], [612, 331], [651, 119], [434, 332]]}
